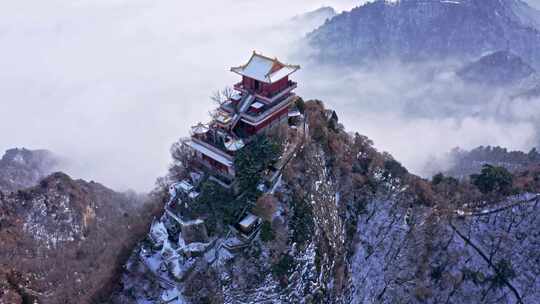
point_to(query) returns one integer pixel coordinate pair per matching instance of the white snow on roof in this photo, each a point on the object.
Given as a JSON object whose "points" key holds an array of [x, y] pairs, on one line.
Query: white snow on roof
{"points": [[199, 129], [193, 222], [158, 232], [184, 186], [257, 105], [258, 68], [196, 247], [265, 69], [294, 113], [210, 153], [234, 144], [223, 117], [171, 295], [233, 241], [236, 96], [248, 221], [281, 73]]}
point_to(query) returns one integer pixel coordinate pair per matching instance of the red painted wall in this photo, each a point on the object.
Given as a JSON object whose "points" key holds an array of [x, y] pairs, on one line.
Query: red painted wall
{"points": [[275, 117], [271, 89], [276, 87], [248, 82]]}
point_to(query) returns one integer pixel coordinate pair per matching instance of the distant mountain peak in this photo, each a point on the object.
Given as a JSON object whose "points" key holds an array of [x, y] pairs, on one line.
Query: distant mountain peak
{"points": [[311, 20], [55, 231], [412, 30], [326, 11], [22, 168], [498, 68]]}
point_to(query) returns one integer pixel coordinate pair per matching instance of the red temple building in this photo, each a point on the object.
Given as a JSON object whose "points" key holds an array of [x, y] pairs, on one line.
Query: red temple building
{"points": [[260, 103]]}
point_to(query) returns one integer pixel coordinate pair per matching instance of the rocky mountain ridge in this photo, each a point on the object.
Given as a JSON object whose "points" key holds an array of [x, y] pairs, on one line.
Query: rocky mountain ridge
{"points": [[344, 224], [316, 17], [432, 30], [63, 240], [351, 225], [466, 163]]}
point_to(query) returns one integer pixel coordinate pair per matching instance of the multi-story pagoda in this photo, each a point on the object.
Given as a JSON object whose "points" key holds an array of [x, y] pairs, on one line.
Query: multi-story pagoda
{"points": [[260, 103]]}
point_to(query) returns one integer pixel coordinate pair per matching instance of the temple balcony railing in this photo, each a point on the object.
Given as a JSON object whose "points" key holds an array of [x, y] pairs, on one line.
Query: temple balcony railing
{"points": [[269, 98], [225, 179], [209, 144], [228, 107], [257, 117], [266, 96]]}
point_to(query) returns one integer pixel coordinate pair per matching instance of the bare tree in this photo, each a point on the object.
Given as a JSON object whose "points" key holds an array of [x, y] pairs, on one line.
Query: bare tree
{"points": [[221, 96], [182, 159]]}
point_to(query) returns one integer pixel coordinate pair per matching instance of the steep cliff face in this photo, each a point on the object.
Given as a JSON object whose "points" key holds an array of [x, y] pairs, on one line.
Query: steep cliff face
{"points": [[351, 225], [436, 257], [300, 259], [64, 240], [22, 168], [429, 30], [305, 258]]}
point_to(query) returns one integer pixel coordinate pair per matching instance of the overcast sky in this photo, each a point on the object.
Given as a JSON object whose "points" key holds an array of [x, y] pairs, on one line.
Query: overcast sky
{"points": [[111, 84]]}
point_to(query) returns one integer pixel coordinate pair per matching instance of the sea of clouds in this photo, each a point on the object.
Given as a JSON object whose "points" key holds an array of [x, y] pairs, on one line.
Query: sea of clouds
{"points": [[419, 112], [110, 84]]}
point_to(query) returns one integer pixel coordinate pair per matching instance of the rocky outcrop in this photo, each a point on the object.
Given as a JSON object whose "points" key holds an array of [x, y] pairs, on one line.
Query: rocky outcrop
{"points": [[305, 259], [65, 240], [351, 225]]}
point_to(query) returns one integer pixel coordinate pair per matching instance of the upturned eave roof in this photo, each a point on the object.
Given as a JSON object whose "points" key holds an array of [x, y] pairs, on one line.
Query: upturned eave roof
{"points": [[265, 69]]}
